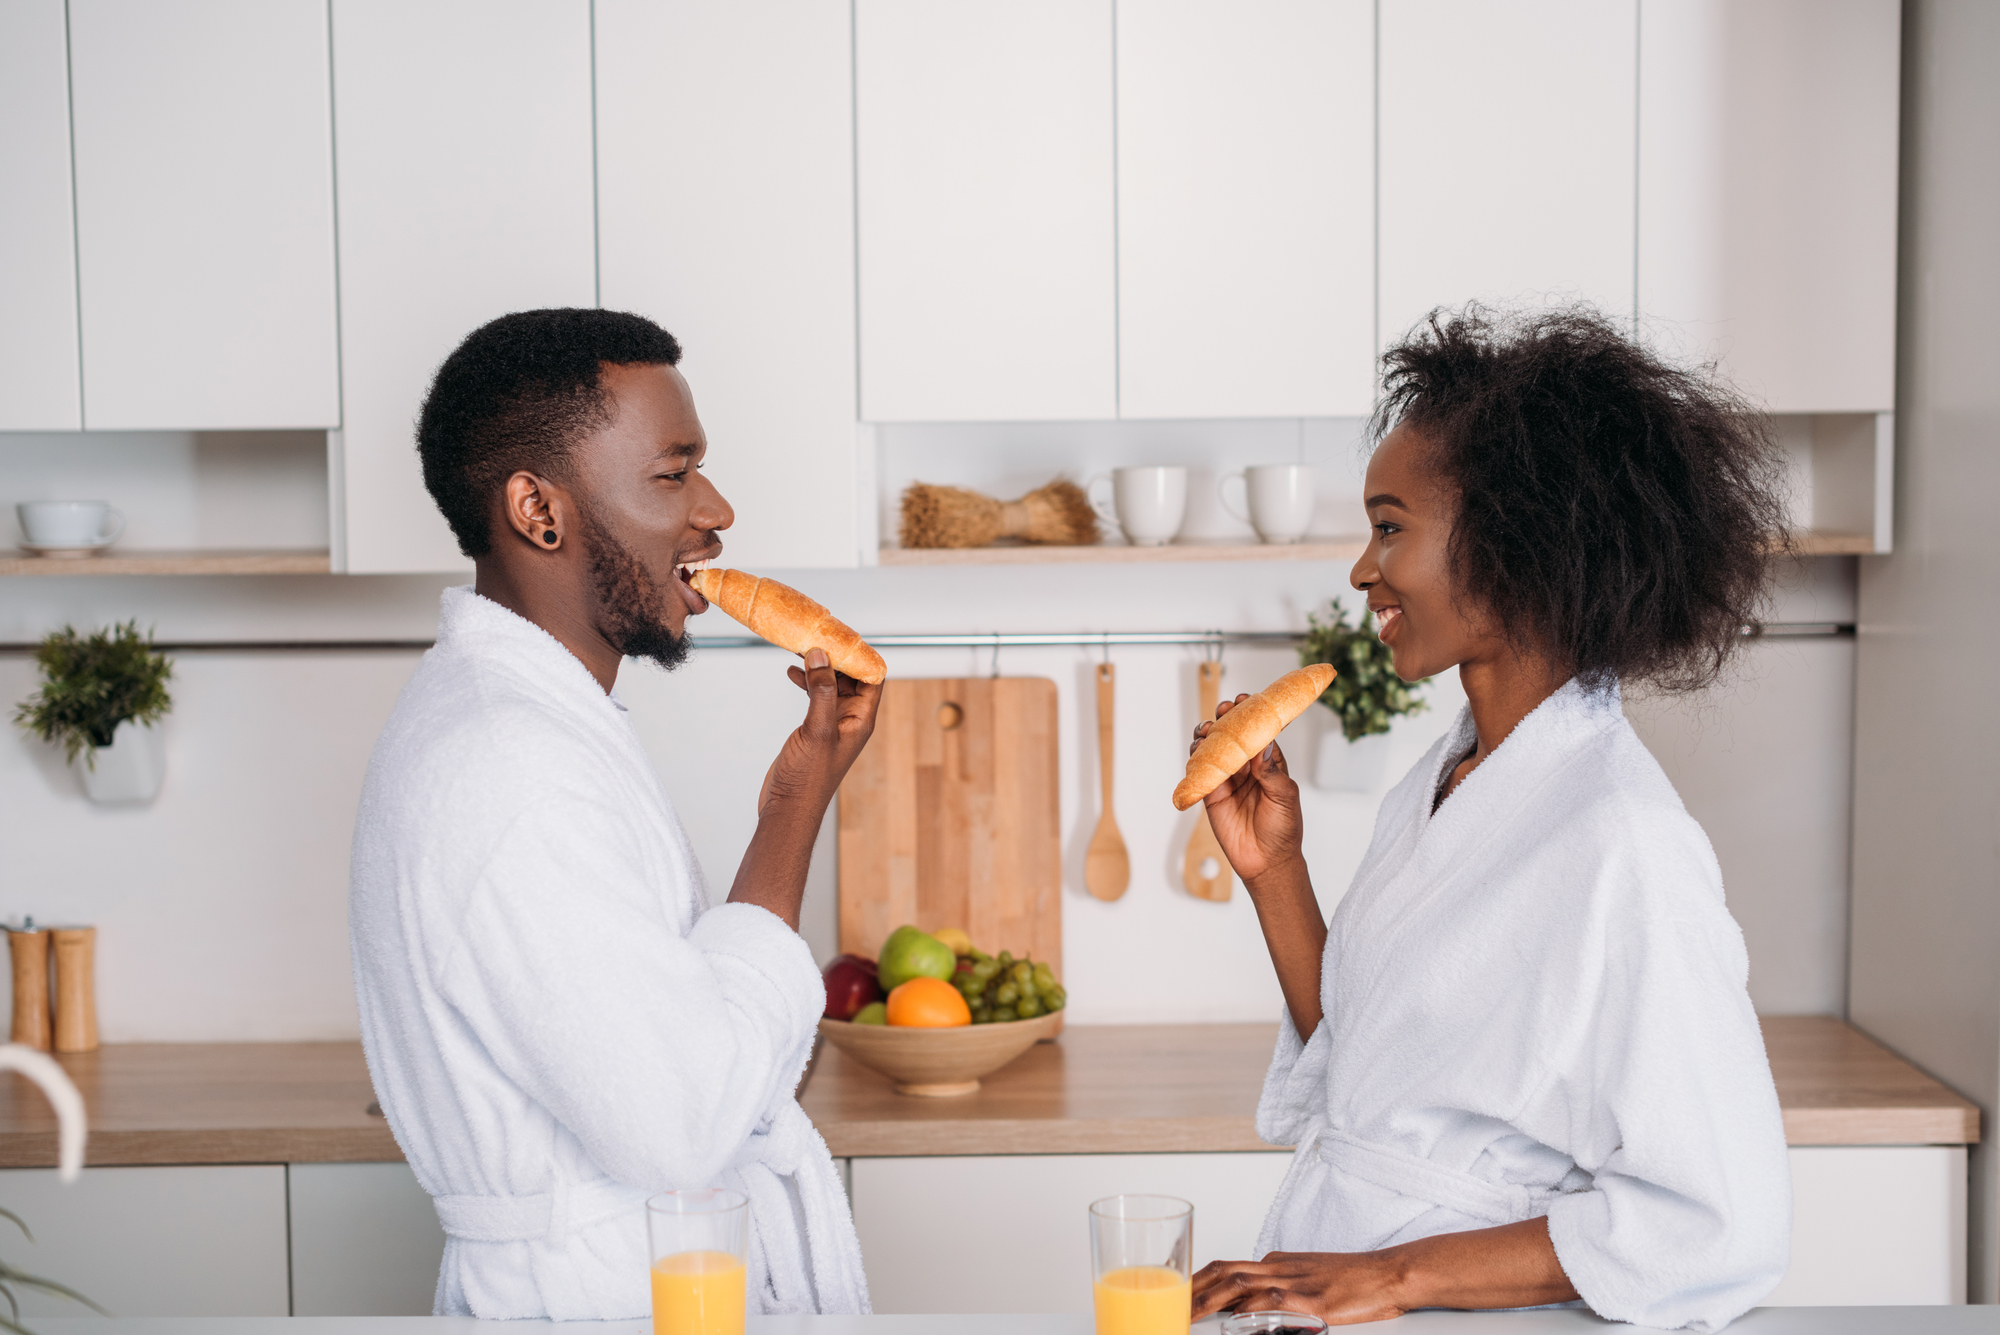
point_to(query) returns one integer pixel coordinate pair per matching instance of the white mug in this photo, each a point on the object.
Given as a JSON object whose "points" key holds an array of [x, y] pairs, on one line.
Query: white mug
{"points": [[1280, 498], [1149, 503], [69, 523]]}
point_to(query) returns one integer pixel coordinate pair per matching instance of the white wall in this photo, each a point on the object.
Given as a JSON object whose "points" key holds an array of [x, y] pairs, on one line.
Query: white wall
{"points": [[222, 907]]}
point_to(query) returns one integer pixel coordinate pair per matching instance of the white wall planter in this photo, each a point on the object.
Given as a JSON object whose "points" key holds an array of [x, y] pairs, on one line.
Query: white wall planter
{"points": [[128, 770], [1352, 767]]}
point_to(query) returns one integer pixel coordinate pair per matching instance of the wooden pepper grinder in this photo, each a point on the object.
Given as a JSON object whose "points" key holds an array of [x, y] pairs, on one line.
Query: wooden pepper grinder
{"points": [[28, 946], [76, 988]]}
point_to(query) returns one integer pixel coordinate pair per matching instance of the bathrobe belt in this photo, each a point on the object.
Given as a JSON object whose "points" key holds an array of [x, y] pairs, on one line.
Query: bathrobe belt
{"points": [[573, 1206], [1425, 1180]]}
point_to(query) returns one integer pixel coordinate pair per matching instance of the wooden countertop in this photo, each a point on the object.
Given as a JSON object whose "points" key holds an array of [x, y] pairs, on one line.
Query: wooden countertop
{"points": [[1100, 1089]]}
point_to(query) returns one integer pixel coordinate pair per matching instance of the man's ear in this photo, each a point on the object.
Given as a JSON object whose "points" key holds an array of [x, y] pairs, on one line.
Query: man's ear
{"points": [[537, 509]]}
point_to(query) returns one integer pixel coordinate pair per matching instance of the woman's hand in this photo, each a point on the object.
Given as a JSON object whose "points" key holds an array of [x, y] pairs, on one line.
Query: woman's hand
{"points": [[1255, 811], [1337, 1287], [1512, 1265]]}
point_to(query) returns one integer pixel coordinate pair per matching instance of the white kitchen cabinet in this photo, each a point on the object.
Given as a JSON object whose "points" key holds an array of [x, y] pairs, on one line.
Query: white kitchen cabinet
{"points": [[464, 153], [1767, 194], [1506, 154], [39, 389], [987, 234], [934, 1231], [365, 1240], [172, 1241], [725, 179], [204, 214], [1246, 208], [1876, 1226]]}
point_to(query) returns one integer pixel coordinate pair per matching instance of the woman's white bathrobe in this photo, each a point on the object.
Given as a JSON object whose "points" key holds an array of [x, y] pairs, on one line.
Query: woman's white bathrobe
{"points": [[557, 1023], [1535, 1005]]}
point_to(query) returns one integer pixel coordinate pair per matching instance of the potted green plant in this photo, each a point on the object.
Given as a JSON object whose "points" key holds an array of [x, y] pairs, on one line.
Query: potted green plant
{"points": [[100, 696], [1366, 696]]}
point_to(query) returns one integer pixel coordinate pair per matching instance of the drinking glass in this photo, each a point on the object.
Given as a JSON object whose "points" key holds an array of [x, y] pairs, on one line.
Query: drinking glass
{"points": [[1140, 1248], [698, 1243]]}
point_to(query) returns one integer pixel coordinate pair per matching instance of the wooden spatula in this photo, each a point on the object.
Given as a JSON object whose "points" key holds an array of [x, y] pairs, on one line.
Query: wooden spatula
{"points": [[1205, 871], [1107, 868]]}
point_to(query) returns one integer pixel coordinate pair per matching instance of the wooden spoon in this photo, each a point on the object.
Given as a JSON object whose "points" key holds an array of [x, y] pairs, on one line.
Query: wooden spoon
{"points": [[1202, 849], [1107, 868]]}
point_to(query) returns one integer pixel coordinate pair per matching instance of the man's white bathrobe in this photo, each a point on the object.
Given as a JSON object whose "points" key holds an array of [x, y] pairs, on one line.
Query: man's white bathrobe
{"points": [[557, 1022], [1534, 1005]]}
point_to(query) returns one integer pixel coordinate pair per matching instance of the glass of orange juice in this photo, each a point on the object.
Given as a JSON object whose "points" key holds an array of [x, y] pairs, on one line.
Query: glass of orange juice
{"points": [[1140, 1249], [699, 1245]]}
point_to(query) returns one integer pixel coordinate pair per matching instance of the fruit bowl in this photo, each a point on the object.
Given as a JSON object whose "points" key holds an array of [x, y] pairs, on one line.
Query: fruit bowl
{"points": [[938, 1063]]}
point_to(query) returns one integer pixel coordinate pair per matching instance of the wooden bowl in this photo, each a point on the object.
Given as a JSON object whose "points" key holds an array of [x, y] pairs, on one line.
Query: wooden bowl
{"points": [[938, 1063]]}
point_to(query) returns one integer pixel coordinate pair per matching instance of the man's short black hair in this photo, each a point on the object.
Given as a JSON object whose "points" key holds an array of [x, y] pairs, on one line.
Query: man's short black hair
{"points": [[516, 395], [1615, 512]]}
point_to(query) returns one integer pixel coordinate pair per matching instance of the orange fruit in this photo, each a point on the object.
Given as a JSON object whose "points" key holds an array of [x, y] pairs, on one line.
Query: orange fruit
{"points": [[928, 1003]]}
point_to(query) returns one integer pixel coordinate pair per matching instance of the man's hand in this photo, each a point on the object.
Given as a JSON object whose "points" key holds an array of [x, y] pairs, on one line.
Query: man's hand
{"points": [[840, 717]]}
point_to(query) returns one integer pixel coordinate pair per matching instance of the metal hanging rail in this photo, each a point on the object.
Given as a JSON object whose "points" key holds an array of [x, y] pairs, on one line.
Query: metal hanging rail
{"points": [[989, 640]]}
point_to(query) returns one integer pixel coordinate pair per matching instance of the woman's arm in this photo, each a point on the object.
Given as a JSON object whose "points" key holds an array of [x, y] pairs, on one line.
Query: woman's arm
{"points": [[1513, 1265], [1255, 815]]}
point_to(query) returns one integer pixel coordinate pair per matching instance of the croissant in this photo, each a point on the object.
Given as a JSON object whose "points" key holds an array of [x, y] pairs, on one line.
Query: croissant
{"points": [[1247, 729], [790, 620]]}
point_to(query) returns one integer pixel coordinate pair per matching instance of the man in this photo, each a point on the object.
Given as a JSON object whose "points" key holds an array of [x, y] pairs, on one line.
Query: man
{"points": [[557, 1022]]}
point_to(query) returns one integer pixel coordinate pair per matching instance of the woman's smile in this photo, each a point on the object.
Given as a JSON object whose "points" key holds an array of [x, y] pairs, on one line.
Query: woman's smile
{"points": [[1388, 618]]}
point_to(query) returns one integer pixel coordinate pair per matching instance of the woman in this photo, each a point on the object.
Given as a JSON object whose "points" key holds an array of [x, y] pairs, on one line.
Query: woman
{"points": [[1521, 1066]]}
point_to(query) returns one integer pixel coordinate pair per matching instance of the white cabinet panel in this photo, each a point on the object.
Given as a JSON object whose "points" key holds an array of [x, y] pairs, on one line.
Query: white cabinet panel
{"points": [[725, 174], [199, 1241], [38, 357], [1246, 201], [204, 202], [1507, 168], [1876, 1226], [932, 1228], [365, 1240], [1767, 193], [987, 232], [464, 152]]}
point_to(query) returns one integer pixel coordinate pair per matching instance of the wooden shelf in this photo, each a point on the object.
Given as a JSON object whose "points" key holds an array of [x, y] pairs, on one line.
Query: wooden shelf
{"points": [[280, 561], [1336, 549]]}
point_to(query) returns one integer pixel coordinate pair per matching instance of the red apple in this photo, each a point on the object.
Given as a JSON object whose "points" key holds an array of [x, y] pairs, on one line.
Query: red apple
{"points": [[850, 985]]}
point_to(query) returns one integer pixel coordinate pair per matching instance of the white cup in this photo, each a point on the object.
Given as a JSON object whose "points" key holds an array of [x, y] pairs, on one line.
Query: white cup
{"points": [[1280, 498], [69, 523], [1149, 503]]}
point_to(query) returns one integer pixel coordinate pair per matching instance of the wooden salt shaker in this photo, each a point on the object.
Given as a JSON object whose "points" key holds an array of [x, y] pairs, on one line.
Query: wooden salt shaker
{"points": [[29, 950], [76, 988]]}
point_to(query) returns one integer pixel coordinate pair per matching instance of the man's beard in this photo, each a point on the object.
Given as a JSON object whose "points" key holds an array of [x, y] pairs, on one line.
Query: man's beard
{"points": [[631, 603]]}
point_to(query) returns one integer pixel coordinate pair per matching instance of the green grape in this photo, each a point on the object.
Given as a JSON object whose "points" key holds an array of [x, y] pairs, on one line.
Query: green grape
{"points": [[1022, 972], [1053, 1004], [979, 956], [1029, 1008], [985, 969], [982, 1015], [1003, 1013], [1008, 994], [1045, 977]]}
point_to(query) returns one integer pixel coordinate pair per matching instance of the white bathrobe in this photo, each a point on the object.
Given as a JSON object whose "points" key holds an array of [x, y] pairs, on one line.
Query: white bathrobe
{"points": [[557, 1022], [1535, 1005]]}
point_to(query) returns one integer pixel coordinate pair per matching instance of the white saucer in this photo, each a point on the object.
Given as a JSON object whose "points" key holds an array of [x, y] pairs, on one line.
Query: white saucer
{"points": [[65, 551]]}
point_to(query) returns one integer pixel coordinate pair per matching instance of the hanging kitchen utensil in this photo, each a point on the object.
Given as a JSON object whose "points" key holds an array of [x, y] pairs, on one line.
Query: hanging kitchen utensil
{"points": [[1204, 870], [1107, 868]]}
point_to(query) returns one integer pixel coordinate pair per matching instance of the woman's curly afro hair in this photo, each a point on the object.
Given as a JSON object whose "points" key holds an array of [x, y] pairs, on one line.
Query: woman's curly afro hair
{"points": [[1616, 514]]}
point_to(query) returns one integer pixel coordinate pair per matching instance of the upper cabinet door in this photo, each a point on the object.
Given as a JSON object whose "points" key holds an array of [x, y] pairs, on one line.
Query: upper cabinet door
{"points": [[1507, 169], [38, 356], [725, 175], [1246, 202], [465, 193], [984, 134], [1767, 194], [204, 202]]}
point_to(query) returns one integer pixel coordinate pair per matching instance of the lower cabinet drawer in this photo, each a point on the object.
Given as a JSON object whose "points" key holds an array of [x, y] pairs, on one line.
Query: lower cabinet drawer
{"points": [[365, 1241], [180, 1241], [1012, 1233], [1871, 1225]]}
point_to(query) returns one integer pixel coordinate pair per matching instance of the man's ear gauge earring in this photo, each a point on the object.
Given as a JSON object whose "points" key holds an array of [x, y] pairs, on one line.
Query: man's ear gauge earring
{"points": [[549, 536]]}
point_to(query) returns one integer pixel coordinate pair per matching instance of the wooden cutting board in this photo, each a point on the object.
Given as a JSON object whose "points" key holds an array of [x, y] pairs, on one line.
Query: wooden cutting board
{"points": [[949, 817]]}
